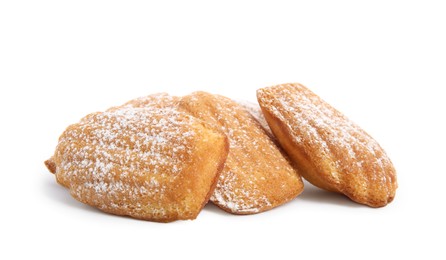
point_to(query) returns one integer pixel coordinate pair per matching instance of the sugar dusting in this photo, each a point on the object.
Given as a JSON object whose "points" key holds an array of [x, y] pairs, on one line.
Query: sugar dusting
{"points": [[254, 165], [326, 134], [256, 112], [238, 195], [112, 159]]}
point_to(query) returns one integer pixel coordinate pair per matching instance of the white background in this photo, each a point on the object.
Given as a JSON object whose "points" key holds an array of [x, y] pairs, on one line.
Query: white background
{"points": [[383, 63]]}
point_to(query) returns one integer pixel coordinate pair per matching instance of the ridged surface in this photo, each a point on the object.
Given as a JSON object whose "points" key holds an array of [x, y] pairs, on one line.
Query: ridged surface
{"points": [[256, 112], [256, 176], [144, 159], [331, 151]]}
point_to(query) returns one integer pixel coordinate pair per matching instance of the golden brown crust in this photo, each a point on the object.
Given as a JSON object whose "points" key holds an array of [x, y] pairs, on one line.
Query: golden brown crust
{"points": [[221, 165], [144, 159], [256, 113], [50, 165], [256, 176], [331, 151], [157, 100]]}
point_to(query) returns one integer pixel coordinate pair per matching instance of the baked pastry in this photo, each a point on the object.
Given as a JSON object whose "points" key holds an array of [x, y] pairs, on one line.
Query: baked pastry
{"points": [[256, 176], [144, 159], [157, 100], [329, 150], [256, 112]]}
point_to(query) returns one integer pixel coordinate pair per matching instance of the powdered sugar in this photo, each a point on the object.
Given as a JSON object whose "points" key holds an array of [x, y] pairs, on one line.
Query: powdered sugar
{"points": [[256, 112], [238, 199], [324, 134], [112, 158], [255, 170]]}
